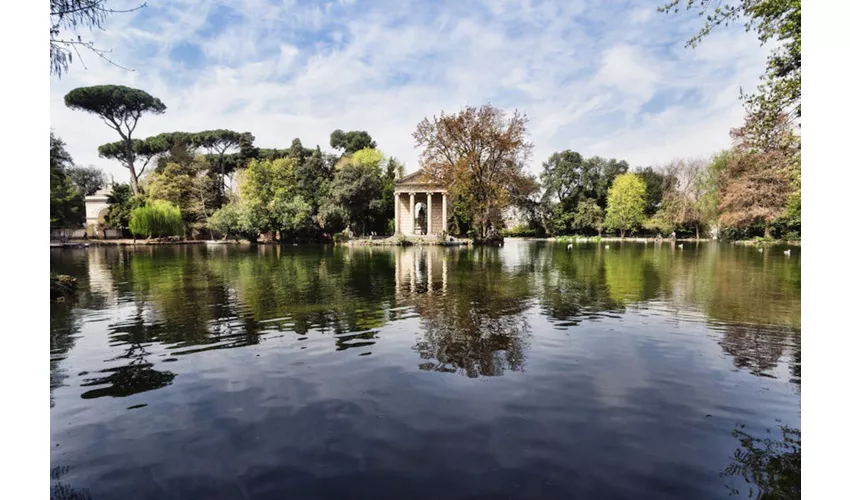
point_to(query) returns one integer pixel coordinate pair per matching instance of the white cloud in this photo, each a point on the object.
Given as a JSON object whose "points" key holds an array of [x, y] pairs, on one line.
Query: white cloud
{"points": [[597, 78]]}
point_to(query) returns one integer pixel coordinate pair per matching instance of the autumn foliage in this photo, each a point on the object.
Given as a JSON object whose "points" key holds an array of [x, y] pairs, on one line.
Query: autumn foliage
{"points": [[479, 155], [759, 178]]}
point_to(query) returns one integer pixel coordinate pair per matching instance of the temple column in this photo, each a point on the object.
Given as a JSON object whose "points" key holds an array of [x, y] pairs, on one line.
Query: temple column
{"points": [[412, 213], [445, 224], [428, 217], [397, 213]]}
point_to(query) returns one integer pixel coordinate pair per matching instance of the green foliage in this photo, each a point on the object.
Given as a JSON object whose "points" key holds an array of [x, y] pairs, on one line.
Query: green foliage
{"points": [[120, 108], [67, 207], [568, 179], [357, 193], [235, 219], [588, 216], [771, 468], [87, 179], [269, 193], [156, 219], [352, 141], [121, 203], [520, 232], [116, 104], [184, 186], [340, 237], [626, 203]]}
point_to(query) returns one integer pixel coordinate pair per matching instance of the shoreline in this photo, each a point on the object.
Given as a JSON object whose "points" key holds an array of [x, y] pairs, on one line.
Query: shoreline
{"points": [[416, 241]]}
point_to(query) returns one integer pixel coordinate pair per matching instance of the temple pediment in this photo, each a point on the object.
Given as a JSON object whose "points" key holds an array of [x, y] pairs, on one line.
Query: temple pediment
{"points": [[417, 181]]}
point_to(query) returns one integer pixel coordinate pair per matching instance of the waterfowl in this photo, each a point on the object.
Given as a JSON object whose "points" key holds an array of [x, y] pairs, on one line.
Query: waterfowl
{"points": [[570, 246], [681, 245], [761, 249], [607, 247], [787, 252]]}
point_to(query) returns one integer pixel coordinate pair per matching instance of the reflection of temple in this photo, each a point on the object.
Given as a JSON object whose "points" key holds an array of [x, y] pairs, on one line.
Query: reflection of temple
{"points": [[471, 324], [100, 275], [424, 268]]}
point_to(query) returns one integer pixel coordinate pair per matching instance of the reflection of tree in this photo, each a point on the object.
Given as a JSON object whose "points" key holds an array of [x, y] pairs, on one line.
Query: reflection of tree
{"points": [[134, 377], [138, 376], [339, 290], [769, 467], [63, 330], [573, 283], [474, 324], [60, 491], [754, 348]]}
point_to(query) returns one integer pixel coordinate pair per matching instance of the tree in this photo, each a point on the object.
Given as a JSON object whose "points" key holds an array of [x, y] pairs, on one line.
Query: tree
{"points": [[217, 143], [66, 201], [657, 184], [357, 192], [121, 202], [779, 95], [682, 204], [756, 185], [268, 192], [562, 177], [626, 202], [184, 186], [120, 108], [352, 141], [71, 15], [589, 215], [234, 219], [478, 155], [156, 219], [87, 179]]}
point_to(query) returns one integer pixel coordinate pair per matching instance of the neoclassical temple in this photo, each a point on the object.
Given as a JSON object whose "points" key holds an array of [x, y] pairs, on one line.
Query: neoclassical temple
{"points": [[421, 207]]}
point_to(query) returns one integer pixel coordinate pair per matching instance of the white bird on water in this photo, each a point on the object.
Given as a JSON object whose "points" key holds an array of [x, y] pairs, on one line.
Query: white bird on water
{"points": [[607, 247], [787, 252], [570, 246], [681, 245], [761, 250]]}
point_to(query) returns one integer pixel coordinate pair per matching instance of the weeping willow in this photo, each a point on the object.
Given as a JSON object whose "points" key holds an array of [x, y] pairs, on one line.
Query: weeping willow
{"points": [[156, 219]]}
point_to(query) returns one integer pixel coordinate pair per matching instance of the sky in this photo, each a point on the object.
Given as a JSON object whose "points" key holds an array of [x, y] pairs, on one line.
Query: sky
{"points": [[609, 78]]}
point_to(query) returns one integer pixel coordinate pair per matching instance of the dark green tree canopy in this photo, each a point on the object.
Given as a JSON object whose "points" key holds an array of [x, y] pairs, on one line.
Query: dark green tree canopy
{"points": [[352, 141], [66, 201], [87, 179], [116, 104]]}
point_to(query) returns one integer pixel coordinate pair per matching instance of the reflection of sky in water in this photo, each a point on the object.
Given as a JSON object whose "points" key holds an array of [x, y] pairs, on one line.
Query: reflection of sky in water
{"points": [[340, 371]]}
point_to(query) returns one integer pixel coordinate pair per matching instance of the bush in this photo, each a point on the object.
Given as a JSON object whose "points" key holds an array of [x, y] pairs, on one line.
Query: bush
{"points": [[340, 237], [520, 232], [156, 219]]}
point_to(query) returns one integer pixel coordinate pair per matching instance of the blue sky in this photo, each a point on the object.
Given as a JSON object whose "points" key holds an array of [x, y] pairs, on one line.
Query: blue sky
{"points": [[606, 78]]}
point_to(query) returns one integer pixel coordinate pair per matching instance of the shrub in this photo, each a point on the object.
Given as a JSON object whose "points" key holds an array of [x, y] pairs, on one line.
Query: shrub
{"points": [[340, 237], [520, 232], [156, 219]]}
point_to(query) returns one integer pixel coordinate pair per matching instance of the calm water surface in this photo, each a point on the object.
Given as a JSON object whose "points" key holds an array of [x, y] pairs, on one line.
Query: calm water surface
{"points": [[528, 371]]}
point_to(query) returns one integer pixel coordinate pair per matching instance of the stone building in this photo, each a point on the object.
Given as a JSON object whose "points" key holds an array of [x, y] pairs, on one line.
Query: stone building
{"points": [[421, 207]]}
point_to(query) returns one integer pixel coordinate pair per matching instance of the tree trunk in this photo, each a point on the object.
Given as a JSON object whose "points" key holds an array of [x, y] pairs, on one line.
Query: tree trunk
{"points": [[766, 231], [622, 233], [697, 231], [131, 165]]}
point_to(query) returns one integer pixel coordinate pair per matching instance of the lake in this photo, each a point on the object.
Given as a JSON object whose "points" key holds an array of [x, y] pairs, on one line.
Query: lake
{"points": [[527, 371]]}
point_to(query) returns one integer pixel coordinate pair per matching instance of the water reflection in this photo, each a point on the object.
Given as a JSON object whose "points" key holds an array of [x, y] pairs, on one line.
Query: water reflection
{"points": [[769, 466], [512, 364], [473, 323]]}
